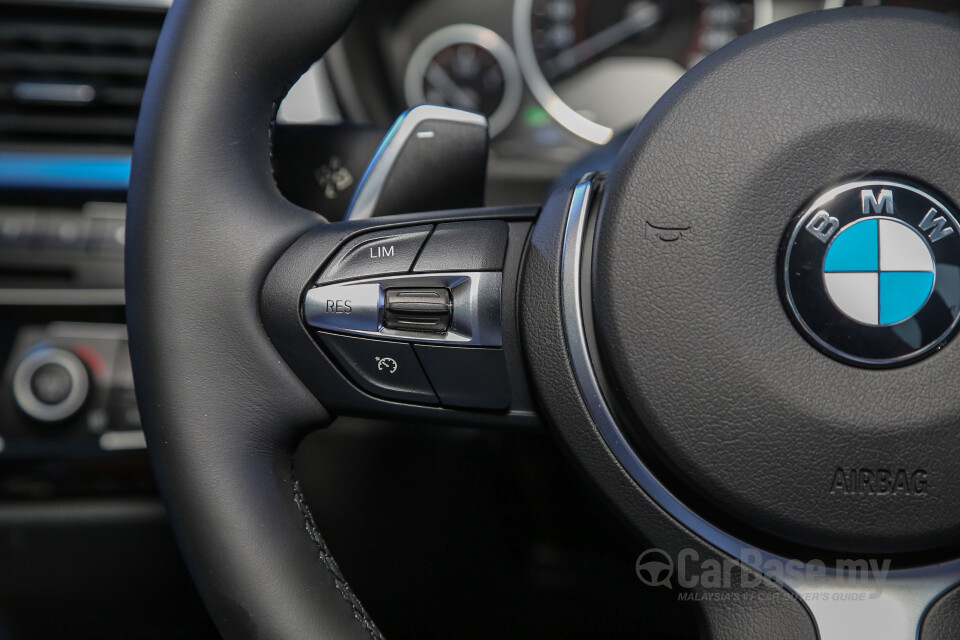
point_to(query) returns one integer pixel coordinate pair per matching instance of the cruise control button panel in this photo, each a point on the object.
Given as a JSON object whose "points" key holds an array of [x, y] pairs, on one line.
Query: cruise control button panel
{"points": [[382, 368], [378, 253], [415, 314]]}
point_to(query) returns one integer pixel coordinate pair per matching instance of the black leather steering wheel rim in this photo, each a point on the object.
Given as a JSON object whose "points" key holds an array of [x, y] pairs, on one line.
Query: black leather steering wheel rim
{"points": [[221, 409], [223, 413]]}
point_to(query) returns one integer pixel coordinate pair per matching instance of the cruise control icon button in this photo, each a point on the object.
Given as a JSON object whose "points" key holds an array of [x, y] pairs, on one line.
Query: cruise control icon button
{"points": [[382, 368], [387, 364], [871, 272]]}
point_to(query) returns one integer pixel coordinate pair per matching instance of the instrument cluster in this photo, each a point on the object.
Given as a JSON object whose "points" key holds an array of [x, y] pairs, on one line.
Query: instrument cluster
{"points": [[558, 78]]}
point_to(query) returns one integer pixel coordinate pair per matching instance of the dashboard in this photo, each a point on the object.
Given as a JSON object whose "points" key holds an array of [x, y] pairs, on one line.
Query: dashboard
{"points": [[557, 79]]}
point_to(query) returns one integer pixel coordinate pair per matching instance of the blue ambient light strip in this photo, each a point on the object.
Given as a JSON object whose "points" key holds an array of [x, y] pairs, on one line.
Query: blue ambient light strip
{"points": [[64, 171]]}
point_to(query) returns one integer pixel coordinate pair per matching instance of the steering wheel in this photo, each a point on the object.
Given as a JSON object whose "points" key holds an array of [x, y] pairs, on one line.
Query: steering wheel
{"points": [[742, 333]]}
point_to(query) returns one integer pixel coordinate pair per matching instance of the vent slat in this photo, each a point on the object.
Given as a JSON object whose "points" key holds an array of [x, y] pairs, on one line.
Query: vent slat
{"points": [[64, 35], [104, 94], [107, 125], [73, 74], [73, 65]]}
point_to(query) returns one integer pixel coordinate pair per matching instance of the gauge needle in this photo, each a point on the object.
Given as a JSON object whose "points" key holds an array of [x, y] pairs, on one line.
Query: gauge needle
{"points": [[643, 16], [441, 80]]}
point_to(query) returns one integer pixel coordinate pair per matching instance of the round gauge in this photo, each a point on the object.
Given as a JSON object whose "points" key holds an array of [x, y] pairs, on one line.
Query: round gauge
{"points": [[467, 67], [597, 66], [943, 6]]}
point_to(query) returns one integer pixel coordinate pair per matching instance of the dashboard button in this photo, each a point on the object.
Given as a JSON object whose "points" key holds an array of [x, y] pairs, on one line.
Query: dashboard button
{"points": [[123, 412], [107, 235], [67, 233], [50, 384], [385, 369], [465, 246], [385, 252], [344, 307], [467, 378], [17, 230]]}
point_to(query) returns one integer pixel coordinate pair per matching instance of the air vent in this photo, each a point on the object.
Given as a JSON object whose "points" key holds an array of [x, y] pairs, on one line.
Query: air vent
{"points": [[73, 74]]}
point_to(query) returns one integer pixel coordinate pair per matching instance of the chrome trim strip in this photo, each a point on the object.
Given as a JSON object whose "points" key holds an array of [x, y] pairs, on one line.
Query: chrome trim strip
{"points": [[61, 297], [87, 331], [476, 308], [62, 92], [368, 192], [119, 4], [122, 440], [894, 609]]}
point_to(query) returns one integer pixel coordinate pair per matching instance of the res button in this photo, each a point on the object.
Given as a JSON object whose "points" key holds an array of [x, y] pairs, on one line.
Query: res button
{"points": [[344, 307], [385, 252]]}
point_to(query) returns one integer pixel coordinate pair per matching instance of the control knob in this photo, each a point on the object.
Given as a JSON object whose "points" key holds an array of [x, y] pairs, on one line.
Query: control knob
{"points": [[50, 384]]}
